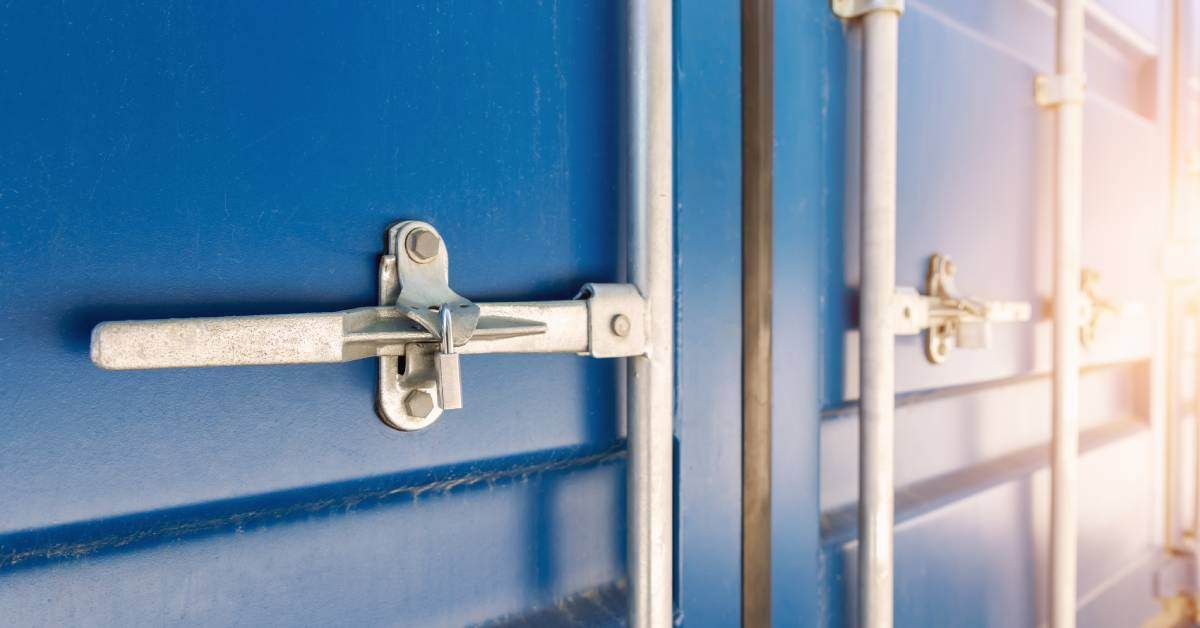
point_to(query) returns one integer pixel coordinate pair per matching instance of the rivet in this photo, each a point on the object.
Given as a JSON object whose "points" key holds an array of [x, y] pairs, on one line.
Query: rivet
{"points": [[620, 325]]}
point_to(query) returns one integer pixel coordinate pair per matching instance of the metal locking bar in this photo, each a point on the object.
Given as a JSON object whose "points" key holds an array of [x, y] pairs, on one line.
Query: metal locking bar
{"points": [[952, 321], [418, 331]]}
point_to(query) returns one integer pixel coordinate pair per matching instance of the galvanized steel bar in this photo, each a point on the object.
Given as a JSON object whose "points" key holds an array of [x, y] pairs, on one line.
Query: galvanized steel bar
{"points": [[1174, 338], [876, 481], [1195, 410], [1171, 440], [651, 253], [519, 327], [1067, 267]]}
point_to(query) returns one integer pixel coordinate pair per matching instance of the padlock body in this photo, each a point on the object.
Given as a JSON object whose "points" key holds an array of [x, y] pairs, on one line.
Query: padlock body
{"points": [[449, 380]]}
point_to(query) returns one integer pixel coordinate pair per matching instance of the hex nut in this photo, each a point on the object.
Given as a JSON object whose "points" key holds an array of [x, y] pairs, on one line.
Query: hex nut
{"points": [[422, 245], [620, 325], [418, 404]]}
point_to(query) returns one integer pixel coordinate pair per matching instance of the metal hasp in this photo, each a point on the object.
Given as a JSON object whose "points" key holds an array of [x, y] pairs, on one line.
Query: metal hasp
{"points": [[417, 331], [1093, 307], [951, 321]]}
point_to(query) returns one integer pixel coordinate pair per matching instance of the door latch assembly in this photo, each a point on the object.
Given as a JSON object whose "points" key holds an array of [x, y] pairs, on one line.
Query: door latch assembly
{"points": [[950, 320], [1093, 307], [418, 331]]}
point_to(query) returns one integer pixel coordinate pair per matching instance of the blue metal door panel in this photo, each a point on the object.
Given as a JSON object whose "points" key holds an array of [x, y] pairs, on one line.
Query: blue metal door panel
{"points": [[974, 156], [810, 81], [177, 159], [981, 559], [708, 195], [444, 555], [184, 160], [965, 188], [238, 159], [975, 182]]}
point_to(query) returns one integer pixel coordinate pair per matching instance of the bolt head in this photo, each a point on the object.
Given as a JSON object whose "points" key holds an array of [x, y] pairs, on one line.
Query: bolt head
{"points": [[418, 404], [422, 245], [620, 325]]}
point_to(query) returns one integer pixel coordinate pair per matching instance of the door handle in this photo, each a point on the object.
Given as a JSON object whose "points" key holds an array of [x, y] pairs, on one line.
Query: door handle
{"points": [[417, 332]]}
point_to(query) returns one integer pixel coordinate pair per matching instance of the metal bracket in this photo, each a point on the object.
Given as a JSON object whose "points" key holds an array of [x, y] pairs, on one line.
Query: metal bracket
{"points": [[418, 331], [1093, 307], [951, 321], [1051, 90], [849, 9], [616, 319]]}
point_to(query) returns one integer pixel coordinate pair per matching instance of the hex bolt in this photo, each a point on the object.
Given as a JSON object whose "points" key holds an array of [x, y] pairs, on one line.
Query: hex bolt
{"points": [[422, 245], [418, 404], [620, 325]]}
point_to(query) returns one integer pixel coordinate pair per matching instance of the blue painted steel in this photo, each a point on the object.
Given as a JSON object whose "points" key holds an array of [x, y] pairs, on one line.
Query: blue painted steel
{"points": [[975, 182], [177, 159], [708, 198], [809, 158], [182, 159]]}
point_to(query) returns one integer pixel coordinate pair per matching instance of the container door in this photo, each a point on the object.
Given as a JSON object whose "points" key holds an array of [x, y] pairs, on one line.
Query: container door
{"points": [[231, 158], [976, 184]]}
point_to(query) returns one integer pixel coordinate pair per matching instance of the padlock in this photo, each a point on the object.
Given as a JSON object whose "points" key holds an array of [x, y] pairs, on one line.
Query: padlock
{"points": [[449, 378], [973, 335]]}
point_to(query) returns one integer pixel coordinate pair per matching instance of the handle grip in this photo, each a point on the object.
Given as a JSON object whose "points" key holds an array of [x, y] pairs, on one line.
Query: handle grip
{"points": [[225, 341]]}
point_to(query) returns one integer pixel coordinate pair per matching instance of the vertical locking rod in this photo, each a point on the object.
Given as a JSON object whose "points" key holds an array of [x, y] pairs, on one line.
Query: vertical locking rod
{"points": [[1068, 230], [876, 473], [650, 386], [1170, 420]]}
